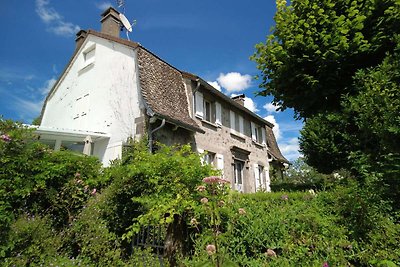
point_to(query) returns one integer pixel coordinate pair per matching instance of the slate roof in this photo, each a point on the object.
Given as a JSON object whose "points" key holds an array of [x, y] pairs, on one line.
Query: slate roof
{"points": [[163, 90], [273, 148], [229, 100]]}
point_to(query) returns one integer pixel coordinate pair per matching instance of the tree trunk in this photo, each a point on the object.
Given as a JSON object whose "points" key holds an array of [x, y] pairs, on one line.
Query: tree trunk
{"points": [[174, 245]]}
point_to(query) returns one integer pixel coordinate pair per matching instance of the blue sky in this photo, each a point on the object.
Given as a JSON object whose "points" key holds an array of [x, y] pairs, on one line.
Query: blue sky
{"points": [[212, 39]]}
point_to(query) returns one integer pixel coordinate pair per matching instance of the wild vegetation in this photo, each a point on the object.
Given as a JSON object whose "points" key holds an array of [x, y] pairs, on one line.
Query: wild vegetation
{"points": [[336, 62], [61, 208]]}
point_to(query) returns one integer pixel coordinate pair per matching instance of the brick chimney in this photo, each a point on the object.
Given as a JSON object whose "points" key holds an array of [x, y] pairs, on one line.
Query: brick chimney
{"points": [[110, 22], [239, 99], [80, 37]]}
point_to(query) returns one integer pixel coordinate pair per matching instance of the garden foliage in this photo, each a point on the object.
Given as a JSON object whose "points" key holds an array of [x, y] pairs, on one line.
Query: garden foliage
{"points": [[70, 212]]}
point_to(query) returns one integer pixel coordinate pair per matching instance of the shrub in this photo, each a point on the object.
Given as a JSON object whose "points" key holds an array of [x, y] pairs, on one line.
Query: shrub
{"points": [[31, 241]]}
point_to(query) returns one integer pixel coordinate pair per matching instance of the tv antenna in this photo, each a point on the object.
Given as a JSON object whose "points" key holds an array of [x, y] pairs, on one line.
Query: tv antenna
{"points": [[125, 22]]}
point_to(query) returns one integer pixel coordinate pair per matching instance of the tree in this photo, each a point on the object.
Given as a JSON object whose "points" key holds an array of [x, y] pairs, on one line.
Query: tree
{"points": [[316, 47]]}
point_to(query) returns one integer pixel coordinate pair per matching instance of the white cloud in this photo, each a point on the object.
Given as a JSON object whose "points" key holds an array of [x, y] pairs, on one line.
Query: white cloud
{"points": [[54, 21], [271, 108], [103, 5], [27, 107], [234, 81], [250, 104], [290, 148], [47, 86], [215, 84], [276, 129]]}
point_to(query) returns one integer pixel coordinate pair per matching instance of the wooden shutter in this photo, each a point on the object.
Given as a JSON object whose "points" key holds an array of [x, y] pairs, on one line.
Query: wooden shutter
{"points": [[256, 176], [199, 104], [220, 163], [232, 119], [218, 114], [253, 131], [241, 129], [263, 136]]}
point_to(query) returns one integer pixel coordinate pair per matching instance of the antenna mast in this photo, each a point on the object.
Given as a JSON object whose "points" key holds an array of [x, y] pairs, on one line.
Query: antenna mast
{"points": [[125, 22]]}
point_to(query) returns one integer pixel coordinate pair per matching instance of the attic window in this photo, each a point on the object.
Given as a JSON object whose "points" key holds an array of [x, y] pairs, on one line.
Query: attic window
{"points": [[258, 133], [89, 55]]}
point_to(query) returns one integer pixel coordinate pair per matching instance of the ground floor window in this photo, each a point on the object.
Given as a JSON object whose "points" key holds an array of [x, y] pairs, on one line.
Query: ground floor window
{"points": [[238, 174], [209, 158]]}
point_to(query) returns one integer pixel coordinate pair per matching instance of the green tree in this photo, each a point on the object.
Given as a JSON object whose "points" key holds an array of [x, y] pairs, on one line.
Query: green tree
{"points": [[316, 47]]}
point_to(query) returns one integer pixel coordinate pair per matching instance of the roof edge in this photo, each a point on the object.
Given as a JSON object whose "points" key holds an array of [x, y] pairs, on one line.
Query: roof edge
{"points": [[194, 77]]}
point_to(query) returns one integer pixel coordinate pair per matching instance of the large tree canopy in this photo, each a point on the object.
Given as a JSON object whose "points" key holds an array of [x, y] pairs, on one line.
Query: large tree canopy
{"points": [[316, 47]]}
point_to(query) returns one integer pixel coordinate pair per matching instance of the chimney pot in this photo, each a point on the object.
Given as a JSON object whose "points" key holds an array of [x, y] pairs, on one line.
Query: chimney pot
{"points": [[110, 22], [239, 99], [80, 37]]}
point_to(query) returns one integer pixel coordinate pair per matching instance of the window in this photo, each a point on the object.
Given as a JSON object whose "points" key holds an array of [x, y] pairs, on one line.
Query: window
{"points": [[236, 123], [208, 116], [209, 158], [81, 106], [207, 110], [258, 133], [238, 175], [89, 56], [259, 175]]}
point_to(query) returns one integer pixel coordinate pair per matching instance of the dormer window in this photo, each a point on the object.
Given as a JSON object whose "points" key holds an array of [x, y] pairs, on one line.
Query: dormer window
{"points": [[207, 110], [89, 56], [258, 134]]}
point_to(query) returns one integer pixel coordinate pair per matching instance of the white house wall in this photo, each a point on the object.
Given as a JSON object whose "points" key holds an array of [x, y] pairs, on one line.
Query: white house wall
{"points": [[99, 93]]}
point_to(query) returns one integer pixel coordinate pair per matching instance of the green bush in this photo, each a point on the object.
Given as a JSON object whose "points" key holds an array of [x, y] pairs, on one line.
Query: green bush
{"points": [[297, 229], [31, 241]]}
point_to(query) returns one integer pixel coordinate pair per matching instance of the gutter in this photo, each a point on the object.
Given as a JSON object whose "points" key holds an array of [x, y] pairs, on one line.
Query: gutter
{"points": [[151, 132]]}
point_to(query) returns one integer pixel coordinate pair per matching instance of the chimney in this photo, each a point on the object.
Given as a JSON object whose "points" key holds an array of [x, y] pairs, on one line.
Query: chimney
{"points": [[239, 99], [110, 22], [80, 37]]}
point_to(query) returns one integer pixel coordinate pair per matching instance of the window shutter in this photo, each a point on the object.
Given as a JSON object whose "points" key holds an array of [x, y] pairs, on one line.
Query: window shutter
{"points": [[256, 176], [218, 114], [220, 163], [85, 105], [201, 151], [232, 118], [267, 180], [199, 104], [263, 135], [241, 129], [253, 131]]}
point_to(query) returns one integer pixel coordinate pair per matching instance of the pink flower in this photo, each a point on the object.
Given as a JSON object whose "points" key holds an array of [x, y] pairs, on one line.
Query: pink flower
{"points": [[210, 249], [93, 192], [6, 138], [215, 180], [204, 200], [285, 197], [325, 264], [77, 175], [201, 188], [211, 180], [224, 181], [242, 211]]}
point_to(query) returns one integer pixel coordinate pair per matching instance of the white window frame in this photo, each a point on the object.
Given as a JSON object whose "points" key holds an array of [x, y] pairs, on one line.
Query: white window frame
{"points": [[237, 123], [258, 134], [198, 99], [89, 56], [238, 175]]}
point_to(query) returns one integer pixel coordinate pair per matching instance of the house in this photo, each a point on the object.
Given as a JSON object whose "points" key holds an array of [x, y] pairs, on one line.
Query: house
{"points": [[113, 89]]}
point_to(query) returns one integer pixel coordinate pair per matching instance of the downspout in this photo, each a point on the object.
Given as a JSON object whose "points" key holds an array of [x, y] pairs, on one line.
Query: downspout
{"points": [[197, 86], [151, 134]]}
